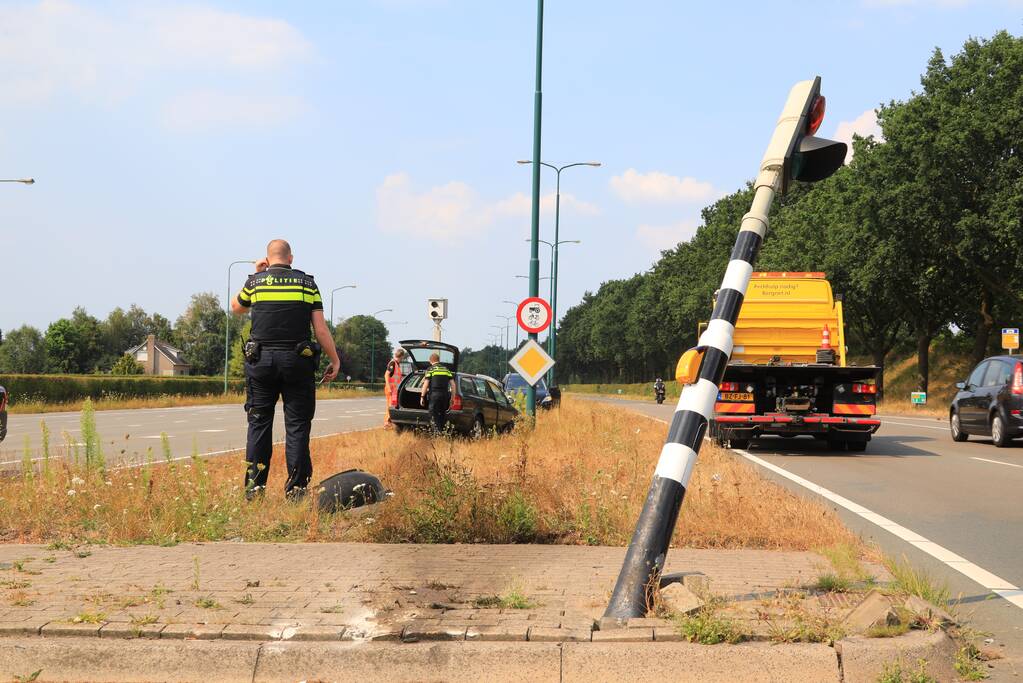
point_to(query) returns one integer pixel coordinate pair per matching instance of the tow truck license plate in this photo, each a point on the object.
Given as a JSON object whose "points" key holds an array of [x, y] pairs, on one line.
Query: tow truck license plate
{"points": [[735, 396]]}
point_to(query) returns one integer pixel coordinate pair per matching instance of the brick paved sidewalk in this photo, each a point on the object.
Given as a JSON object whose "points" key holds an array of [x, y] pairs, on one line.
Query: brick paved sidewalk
{"points": [[326, 591]]}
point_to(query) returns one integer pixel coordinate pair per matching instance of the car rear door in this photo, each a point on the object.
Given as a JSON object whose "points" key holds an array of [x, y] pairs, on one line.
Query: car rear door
{"points": [[996, 381], [487, 401], [506, 411], [970, 401]]}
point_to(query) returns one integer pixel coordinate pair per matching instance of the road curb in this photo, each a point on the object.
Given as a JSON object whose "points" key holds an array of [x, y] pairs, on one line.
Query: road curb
{"points": [[864, 658], [84, 659]]}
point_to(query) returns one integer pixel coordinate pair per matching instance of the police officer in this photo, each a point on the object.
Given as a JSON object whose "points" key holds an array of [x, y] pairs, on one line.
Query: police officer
{"points": [[280, 360], [439, 383]]}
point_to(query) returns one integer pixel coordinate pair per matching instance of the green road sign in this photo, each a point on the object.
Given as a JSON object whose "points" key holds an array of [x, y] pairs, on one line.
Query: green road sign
{"points": [[918, 398]]}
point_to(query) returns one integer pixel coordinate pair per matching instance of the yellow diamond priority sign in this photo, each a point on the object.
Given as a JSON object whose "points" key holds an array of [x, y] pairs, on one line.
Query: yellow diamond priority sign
{"points": [[531, 362]]}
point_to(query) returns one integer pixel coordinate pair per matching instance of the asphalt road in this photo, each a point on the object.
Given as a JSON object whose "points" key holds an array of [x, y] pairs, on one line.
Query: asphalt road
{"points": [[914, 490], [128, 435]]}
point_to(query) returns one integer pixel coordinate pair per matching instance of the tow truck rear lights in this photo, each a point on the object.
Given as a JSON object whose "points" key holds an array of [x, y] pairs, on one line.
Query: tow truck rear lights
{"points": [[1017, 379], [729, 386], [864, 388]]}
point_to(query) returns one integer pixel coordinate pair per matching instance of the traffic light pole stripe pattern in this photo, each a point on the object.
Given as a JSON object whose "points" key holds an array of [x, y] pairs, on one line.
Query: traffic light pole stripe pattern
{"points": [[648, 548]]}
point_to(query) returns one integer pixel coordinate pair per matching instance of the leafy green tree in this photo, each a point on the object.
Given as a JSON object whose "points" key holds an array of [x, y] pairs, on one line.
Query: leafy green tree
{"points": [[23, 351], [126, 365], [362, 342], [124, 329], [200, 333], [236, 366], [73, 344]]}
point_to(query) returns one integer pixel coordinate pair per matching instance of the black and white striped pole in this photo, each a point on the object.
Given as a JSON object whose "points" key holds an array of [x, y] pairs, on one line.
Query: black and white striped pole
{"points": [[792, 153]]}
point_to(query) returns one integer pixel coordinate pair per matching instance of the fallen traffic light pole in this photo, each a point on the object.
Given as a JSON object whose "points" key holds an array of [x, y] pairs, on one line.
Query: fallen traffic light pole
{"points": [[793, 153]]}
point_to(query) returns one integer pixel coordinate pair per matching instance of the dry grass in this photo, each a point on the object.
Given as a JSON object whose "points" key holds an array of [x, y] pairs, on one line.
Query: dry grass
{"points": [[580, 478], [165, 401]]}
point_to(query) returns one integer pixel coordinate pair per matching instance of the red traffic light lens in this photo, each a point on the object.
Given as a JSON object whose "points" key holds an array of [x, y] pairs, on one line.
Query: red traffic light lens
{"points": [[816, 117]]}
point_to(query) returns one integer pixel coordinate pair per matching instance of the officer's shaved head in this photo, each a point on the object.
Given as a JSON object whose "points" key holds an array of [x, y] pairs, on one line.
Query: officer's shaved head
{"points": [[278, 251], [434, 357]]}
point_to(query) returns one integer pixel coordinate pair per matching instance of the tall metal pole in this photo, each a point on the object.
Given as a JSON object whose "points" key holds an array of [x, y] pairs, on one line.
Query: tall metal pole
{"points": [[534, 253], [551, 331], [227, 320], [336, 289], [647, 551], [516, 324]]}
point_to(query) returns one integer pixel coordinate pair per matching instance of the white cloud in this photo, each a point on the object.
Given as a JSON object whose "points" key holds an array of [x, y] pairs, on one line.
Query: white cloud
{"points": [[59, 48], [455, 211], [633, 186], [200, 109], [863, 125], [665, 237], [447, 212], [520, 204]]}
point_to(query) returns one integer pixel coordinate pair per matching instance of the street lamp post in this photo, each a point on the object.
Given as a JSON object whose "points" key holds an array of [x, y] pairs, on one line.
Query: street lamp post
{"points": [[332, 299], [507, 333], [373, 347], [534, 231], [227, 320], [554, 295], [553, 334], [516, 305]]}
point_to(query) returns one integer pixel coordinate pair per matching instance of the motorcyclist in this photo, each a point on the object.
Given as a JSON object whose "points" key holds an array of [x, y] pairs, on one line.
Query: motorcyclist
{"points": [[659, 389]]}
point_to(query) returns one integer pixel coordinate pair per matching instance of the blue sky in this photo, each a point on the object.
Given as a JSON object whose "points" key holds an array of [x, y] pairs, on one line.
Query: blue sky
{"points": [[380, 138]]}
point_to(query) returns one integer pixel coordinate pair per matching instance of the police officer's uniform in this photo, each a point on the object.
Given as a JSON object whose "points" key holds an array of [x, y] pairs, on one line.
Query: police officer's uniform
{"points": [[439, 379], [280, 360]]}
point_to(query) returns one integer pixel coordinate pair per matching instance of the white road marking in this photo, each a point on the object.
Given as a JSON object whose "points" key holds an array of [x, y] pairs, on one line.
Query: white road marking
{"points": [[997, 462], [212, 430], [968, 569], [158, 436], [907, 424]]}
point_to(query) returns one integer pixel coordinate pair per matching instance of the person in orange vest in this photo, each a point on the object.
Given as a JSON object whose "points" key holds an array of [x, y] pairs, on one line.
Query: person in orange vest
{"points": [[3, 413], [392, 378]]}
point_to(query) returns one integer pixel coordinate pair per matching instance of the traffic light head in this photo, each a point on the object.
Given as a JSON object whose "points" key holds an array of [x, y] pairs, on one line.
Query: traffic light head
{"points": [[801, 155]]}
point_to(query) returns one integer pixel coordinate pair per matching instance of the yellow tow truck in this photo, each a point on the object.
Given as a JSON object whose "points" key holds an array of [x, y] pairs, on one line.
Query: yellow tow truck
{"points": [[788, 375]]}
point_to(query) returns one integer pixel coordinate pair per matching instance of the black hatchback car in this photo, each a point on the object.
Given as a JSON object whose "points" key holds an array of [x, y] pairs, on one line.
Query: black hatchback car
{"points": [[478, 406], [990, 402]]}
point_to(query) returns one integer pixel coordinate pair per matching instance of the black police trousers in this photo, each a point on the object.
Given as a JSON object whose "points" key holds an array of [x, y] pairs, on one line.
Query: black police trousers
{"points": [[438, 404], [279, 372]]}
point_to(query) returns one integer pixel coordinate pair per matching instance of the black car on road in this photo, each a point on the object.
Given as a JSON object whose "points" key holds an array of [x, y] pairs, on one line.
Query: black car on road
{"points": [[990, 402], [478, 406]]}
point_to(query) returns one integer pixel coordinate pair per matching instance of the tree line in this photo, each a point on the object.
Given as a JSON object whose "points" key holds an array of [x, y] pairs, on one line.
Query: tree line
{"points": [[85, 344], [920, 233]]}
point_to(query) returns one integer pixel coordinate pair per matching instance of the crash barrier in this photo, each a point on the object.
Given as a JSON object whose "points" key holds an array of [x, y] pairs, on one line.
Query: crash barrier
{"points": [[70, 388], [349, 489]]}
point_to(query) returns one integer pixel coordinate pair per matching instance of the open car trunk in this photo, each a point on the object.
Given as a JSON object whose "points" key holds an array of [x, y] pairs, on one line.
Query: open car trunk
{"points": [[419, 351]]}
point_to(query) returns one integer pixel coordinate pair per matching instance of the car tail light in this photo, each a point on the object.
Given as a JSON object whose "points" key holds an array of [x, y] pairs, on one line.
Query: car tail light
{"points": [[864, 388], [456, 402], [729, 386], [1017, 379]]}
